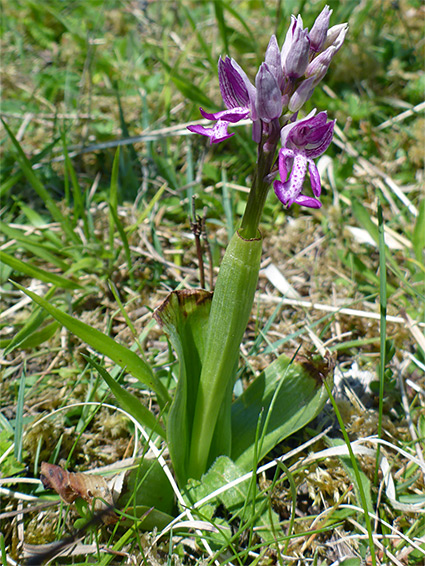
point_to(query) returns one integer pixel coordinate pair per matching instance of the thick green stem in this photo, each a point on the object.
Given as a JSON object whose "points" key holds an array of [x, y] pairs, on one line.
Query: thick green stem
{"points": [[230, 310], [258, 194]]}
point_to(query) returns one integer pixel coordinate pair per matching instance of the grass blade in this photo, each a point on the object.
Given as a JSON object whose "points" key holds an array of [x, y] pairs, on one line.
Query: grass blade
{"points": [[79, 209], [37, 272], [356, 473], [19, 424], [219, 16], [40, 190], [383, 327], [418, 233], [104, 344], [127, 401]]}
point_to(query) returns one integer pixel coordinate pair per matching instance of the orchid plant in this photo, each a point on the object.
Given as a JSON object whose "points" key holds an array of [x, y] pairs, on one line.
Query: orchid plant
{"points": [[201, 421], [284, 82]]}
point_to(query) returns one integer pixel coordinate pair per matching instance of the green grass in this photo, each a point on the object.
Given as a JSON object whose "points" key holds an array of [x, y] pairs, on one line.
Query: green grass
{"points": [[107, 236]]}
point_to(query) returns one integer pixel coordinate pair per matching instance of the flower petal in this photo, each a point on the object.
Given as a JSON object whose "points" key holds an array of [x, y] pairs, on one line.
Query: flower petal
{"points": [[217, 133], [316, 185], [236, 89], [310, 202], [286, 130], [233, 115]]}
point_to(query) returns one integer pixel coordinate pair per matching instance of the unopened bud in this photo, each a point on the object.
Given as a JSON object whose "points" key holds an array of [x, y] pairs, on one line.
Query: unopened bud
{"points": [[319, 30], [269, 97]]}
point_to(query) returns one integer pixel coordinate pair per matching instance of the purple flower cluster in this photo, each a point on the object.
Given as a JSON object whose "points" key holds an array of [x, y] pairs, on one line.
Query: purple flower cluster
{"points": [[284, 82]]}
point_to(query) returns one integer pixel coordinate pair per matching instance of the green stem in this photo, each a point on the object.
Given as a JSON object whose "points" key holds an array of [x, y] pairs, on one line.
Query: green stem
{"points": [[230, 310], [258, 194]]}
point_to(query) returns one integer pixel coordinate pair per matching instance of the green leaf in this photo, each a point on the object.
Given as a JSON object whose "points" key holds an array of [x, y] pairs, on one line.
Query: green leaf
{"points": [[418, 233], [33, 245], [128, 401], [41, 336], [121, 355], [40, 190], [37, 272], [237, 500], [300, 398], [184, 317], [147, 485]]}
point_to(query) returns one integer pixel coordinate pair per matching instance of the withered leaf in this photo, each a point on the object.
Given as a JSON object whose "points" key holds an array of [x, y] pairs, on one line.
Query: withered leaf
{"points": [[69, 485]]}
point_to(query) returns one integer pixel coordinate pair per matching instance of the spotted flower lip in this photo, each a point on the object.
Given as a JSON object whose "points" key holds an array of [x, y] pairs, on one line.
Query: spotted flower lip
{"points": [[302, 142]]}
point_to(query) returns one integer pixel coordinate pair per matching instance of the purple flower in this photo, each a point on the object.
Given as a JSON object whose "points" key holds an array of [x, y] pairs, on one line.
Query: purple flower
{"points": [[295, 50], [302, 142], [284, 82], [239, 96]]}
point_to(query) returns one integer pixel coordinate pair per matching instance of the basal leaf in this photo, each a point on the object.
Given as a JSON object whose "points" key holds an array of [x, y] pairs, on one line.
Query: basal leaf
{"points": [[146, 484], [300, 396], [184, 317], [239, 499]]}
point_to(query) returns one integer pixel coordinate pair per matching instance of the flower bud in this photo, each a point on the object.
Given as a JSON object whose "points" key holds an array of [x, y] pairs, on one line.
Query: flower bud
{"points": [[295, 50], [320, 64], [302, 94], [335, 36], [269, 97], [319, 30], [274, 60]]}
